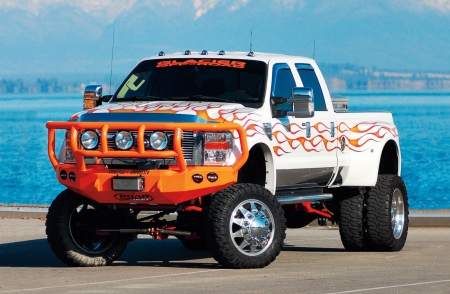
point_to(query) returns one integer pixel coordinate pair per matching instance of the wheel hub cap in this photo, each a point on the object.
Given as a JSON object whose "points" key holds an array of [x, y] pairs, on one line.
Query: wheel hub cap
{"points": [[251, 227]]}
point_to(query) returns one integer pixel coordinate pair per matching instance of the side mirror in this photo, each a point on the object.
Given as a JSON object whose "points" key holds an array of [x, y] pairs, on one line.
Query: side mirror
{"points": [[92, 96], [302, 101]]}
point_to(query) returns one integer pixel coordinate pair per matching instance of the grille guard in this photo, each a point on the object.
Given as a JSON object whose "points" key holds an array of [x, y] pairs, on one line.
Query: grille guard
{"points": [[141, 152]]}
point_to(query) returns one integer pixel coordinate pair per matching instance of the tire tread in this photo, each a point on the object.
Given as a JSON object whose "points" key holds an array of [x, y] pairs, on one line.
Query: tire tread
{"points": [[216, 227]]}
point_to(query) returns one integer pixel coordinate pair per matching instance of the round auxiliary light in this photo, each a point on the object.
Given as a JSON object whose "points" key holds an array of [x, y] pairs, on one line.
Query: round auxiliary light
{"points": [[89, 139], [158, 140], [124, 140]]}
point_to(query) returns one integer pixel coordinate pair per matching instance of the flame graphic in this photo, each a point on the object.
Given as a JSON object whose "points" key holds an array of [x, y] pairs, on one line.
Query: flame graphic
{"points": [[215, 112], [288, 138], [357, 137]]}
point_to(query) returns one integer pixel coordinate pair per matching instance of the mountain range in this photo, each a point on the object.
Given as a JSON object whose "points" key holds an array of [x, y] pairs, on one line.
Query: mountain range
{"points": [[51, 37]]}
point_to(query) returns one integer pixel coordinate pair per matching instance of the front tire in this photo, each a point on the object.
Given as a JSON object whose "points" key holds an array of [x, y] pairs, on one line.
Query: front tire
{"points": [[244, 227], [387, 214], [70, 227]]}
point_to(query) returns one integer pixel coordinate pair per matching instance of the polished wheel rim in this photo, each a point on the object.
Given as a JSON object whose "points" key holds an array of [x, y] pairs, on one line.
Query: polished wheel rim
{"points": [[82, 229], [252, 227], [397, 213]]}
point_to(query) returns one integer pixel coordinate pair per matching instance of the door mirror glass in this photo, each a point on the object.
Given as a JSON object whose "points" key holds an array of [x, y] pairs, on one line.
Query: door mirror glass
{"points": [[303, 101]]}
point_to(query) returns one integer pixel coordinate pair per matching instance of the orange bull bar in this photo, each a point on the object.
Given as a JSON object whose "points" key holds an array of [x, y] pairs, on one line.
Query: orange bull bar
{"points": [[162, 186]]}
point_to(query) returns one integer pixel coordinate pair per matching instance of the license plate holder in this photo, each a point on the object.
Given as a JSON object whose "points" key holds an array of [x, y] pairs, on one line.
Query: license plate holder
{"points": [[128, 183]]}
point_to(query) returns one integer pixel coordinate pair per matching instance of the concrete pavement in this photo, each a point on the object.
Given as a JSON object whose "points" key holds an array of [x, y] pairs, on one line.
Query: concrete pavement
{"points": [[312, 261]]}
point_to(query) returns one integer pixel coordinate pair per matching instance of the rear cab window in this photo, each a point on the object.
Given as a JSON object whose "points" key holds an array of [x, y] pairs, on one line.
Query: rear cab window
{"points": [[309, 79]]}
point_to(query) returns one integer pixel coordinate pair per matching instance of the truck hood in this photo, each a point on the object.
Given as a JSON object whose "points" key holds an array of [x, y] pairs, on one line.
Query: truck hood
{"points": [[168, 111]]}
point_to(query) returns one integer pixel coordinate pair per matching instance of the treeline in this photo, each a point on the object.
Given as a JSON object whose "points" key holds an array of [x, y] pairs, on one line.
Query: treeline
{"points": [[339, 78], [352, 77], [52, 85]]}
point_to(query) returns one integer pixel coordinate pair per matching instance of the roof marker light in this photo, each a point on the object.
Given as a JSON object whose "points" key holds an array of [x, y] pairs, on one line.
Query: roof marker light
{"points": [[222, 52], [204, 52], [161, 53], [187, 52]]}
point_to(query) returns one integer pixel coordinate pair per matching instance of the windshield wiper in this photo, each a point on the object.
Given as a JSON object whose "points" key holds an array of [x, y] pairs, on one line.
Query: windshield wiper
{"points": [[142, 98], [203, 98]]}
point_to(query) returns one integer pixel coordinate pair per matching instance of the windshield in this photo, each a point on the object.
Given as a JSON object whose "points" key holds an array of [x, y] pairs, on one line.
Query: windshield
{"points": [[226, 80]]}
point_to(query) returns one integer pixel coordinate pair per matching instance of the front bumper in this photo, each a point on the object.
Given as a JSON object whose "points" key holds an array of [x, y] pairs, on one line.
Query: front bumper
{"points": [[177, 184]]}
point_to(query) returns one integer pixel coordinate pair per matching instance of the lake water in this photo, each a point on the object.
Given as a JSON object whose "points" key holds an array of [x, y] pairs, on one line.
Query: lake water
{"points": [[423, 120]]}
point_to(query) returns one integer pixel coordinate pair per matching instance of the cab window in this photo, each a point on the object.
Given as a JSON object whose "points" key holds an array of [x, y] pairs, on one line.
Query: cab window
{"points": [[309, 79], [282, 84]]}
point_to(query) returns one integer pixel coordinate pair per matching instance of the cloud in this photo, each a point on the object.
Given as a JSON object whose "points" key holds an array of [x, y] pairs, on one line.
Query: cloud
{"points": [[113, 8], [203, 6], [442, 5], [238, 4]]}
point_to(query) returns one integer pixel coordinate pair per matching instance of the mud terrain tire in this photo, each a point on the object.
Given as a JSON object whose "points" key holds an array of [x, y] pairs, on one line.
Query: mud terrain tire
{"points": [[69, 224], [387, 214], [244, 227], [351, 219]]}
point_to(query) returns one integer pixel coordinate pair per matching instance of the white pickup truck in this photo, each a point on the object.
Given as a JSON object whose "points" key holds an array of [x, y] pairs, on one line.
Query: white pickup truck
{"points": [[238, 146]]}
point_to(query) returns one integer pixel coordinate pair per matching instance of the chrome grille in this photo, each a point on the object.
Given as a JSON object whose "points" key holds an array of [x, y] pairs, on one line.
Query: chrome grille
{"points": [[187, 144]]}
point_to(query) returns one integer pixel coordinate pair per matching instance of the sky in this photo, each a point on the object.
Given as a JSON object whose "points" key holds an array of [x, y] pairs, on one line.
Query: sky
{"points": [[45, 37]]}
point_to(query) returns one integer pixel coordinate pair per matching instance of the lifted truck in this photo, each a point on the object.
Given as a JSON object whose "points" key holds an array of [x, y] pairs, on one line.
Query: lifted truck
{"points": [[240, 146]]}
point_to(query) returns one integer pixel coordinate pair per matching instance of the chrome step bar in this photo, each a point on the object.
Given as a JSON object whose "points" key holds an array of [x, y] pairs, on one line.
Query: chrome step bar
{"points": [[284, 200]]}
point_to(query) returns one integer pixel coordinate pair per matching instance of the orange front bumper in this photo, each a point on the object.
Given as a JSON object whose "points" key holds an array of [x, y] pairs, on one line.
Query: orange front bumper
{"points": [[170, 186]]}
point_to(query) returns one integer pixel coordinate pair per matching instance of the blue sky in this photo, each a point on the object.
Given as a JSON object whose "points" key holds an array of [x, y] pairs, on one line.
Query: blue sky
{"points": [[41, 37]]}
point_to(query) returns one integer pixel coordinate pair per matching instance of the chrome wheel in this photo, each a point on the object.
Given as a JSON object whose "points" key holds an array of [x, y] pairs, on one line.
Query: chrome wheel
{"points": [[251, 227], [397, 213]]}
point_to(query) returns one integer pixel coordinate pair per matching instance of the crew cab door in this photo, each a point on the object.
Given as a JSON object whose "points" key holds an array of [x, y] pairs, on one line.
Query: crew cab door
{"points": [[305, 147]]}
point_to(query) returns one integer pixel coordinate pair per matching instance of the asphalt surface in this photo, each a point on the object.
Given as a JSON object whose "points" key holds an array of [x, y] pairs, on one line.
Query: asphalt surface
{"points": [[312, 261]]}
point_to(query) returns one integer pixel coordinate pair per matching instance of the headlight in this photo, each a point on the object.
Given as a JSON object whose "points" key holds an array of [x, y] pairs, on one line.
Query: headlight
{"points": [[124, 140], [89, 139], [158, 140], [218, 148], [65, 153]]}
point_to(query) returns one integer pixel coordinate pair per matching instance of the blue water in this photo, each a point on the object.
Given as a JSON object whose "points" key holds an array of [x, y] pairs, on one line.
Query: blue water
{"points": [[423, 119]]}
